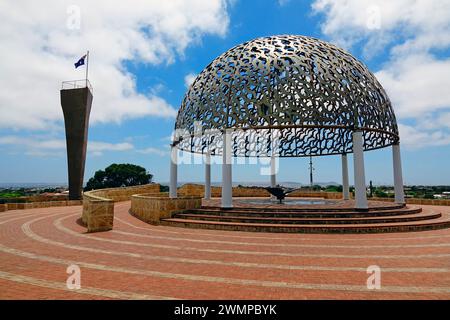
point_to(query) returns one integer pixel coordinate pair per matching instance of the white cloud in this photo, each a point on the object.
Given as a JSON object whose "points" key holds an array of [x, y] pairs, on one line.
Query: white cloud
{"points": [[155, 151], [283, 2], [189, 79], [416, 81], [38, 52], [97, 146], [418, 85], [424, 23], [41, 146], [415, 138]]}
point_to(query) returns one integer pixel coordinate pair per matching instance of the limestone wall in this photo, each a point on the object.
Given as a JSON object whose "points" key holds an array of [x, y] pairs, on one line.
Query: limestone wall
{"points": [[98, 205], [198, 190], [124, 193], [42, 204], [434, 202], [316, 194], [151, 208], [38, 198], [98, 213], [45, 198]]}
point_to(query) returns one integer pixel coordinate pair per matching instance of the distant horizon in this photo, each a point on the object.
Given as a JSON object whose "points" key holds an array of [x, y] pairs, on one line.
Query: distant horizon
{"points": [[139, 82], [217, 183]]}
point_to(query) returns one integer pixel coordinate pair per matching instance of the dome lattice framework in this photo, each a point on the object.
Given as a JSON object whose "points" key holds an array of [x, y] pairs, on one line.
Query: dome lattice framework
{"points": [[289, 96]]}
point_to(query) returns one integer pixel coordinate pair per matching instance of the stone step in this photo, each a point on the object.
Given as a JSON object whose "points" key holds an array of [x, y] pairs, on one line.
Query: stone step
{"points": [[309, 221], [324, 213], [280, 208], [422, 225]]}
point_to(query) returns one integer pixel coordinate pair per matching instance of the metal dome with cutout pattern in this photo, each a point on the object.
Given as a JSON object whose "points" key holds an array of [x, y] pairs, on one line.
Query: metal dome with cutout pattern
{"points": [[289, 96]]}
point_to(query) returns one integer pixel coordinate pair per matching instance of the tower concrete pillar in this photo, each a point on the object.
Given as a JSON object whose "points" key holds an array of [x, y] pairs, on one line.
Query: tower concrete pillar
{"points": [[76, 105], [359, 172], [398, 176]]}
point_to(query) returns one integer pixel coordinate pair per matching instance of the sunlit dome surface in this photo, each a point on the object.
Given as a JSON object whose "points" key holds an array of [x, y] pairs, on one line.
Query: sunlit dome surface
{"points": [[288, 95]]}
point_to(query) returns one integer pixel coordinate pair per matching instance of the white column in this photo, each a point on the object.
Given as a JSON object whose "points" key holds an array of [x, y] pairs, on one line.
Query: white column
{"points": [[208, 176], [227, 196], [345, 187], [273, 171], [358, 167], [398, 176], [173, 172]]}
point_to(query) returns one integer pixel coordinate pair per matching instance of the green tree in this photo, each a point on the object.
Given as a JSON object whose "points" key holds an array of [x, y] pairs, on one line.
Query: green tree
{"points": [[119, 175], [333, 188], [380, 193]]}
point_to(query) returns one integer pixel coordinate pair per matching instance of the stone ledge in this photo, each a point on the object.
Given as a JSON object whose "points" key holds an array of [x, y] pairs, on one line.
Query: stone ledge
{"points": [[40, 204], [98, 213], [124, 193], [433, 202], [191, 189], [98, 205], [151, 208]]}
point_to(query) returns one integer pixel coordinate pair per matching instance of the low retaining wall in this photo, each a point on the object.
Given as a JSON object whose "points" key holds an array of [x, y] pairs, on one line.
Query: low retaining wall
{"points": [[36, 198], [198, 190], [151, 208], [433, 202], [43, 204], [124, 193], [98, 205], [98, 213], [316, 194]]}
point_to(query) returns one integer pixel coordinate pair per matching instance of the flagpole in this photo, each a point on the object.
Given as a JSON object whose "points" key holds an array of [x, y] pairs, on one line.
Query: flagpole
{"points": [[87, 66]]}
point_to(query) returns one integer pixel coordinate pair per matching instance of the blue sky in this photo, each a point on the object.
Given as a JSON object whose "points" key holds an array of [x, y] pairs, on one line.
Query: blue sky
{"points": [[142, 57]]}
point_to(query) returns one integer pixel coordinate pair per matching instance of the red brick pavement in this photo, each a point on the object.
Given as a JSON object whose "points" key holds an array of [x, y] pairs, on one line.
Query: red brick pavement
{"points": [[139, 261]]}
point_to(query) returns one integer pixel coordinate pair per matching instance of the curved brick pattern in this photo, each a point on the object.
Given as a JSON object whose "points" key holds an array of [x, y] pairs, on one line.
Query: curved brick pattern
{"points": [[141, 261]]}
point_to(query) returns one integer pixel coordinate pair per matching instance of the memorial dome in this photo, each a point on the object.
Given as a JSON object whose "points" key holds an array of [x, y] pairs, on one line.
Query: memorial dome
{"points": [[288, 95]]}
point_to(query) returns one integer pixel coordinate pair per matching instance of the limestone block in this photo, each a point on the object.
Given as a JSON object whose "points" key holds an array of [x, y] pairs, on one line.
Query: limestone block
{"points": [[100, 216], [152, 208]]}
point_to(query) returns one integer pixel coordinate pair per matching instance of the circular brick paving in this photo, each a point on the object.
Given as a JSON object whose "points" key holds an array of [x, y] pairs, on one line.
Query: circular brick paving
{"points": [[140, 261]]}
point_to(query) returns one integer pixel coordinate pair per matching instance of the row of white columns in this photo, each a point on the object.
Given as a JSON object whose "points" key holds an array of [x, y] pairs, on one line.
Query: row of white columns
{"points": [[358, 171]]}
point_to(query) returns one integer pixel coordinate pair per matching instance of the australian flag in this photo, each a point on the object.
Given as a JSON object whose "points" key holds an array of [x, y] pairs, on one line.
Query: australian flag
{"points": [[80, 62]]}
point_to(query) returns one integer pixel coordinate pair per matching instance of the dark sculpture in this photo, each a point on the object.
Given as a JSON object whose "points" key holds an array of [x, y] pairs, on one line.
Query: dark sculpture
{"points": [[280, 192]]}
